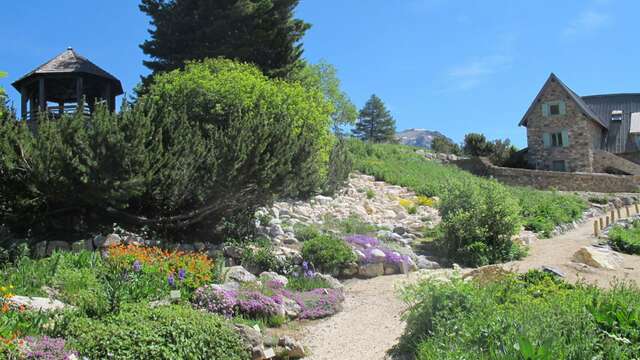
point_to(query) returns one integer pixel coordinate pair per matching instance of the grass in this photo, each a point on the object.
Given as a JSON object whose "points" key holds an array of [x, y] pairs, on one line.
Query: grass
{"points": [[541, 212], [626, 240], [529, 316]]}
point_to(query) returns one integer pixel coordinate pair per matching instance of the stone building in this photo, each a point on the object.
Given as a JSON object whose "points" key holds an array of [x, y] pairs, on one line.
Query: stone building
{"points": [[566, 132]]}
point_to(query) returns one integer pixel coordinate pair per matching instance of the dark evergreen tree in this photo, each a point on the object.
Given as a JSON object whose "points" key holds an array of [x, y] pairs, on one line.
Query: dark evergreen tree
{"points": [[262, 32], [375, 123]]}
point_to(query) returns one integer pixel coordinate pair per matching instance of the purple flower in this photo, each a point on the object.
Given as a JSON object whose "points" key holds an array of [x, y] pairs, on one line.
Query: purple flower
{"points": [[47, 348], [181, 274], [363, 241], [137, 266], [305, 265], [171, 280]]}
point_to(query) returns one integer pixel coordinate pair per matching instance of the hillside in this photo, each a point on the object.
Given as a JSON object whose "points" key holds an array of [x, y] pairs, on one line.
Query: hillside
{"points": [[418, 137]]}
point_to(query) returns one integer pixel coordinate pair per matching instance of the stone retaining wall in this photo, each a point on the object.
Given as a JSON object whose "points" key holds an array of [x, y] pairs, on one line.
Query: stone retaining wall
{"points": [[565, 181]]}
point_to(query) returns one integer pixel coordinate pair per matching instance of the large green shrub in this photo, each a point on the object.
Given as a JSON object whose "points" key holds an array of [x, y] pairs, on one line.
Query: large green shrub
{"points": [[626, 240], [327, 253], [530, 316], [206, 145], [478, 222], [140, 332]]}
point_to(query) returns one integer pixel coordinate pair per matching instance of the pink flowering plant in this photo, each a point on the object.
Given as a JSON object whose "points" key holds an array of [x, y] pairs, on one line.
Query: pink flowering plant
{"points": [[367, 244], [46, 348]]}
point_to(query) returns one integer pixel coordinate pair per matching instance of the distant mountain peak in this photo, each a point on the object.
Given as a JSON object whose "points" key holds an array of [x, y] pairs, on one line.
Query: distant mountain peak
{"points": [[419, 137]]}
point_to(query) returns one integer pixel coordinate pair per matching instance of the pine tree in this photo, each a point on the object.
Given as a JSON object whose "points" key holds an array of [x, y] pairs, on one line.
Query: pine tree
{"points": [[262, 32], [375, 123]]}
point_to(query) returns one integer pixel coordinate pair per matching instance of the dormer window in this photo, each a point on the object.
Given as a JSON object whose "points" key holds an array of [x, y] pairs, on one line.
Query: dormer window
{"points": [[553, 108], [616, 115]]}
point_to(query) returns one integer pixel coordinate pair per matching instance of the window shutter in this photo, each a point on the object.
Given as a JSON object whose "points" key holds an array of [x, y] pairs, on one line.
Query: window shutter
{"points": [[546, 140], [545, 109], [565, 138], [563, 107]]}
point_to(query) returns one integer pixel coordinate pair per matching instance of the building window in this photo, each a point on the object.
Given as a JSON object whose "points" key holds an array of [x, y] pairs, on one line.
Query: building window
{"points": [[554, 108], [556, 139], [616, 115], [559, 165]]}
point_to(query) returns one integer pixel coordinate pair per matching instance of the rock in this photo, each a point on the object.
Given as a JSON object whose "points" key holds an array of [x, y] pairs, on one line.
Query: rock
{"points": [[258, 353], [272, 276], [525, 238], [159, 303], [399, 230], [452, 157], [292, 349], [239, 274], [231, 251], [38, 303], [269, 353], [275, 230], [333, 282], [390, 269], [101, 242], [598, 258], [487, 274], [553, 271], [252, 340], [322, 200], [349, 270], [384, 234], [377, 255], [290, 240], [291, 308], [423, 263], [441, 156], [371, 270]]}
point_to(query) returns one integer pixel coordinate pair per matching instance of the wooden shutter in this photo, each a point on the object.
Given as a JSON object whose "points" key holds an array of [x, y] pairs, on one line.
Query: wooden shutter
{"points": [[545, 109], [546, 140], [565, 138], [563, 107]]}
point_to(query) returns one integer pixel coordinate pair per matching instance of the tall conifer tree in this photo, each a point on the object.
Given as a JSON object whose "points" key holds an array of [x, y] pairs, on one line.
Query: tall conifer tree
{"points": [[262, 32], [375, 123]]}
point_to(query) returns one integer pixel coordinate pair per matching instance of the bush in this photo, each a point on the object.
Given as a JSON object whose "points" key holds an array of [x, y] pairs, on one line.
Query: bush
{"points": [[327, 253], [532, 316], [626, 240], [140, 332], [206, 145], [478, 221], [305, 232], [340, 166]]}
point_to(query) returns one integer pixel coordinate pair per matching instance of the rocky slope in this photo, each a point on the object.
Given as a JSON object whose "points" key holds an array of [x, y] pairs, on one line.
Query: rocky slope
{"points": [[418, 137]]}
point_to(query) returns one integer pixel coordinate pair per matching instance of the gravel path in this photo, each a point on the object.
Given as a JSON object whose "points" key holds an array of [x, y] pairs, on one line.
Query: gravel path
{"points": [[369, 325]]}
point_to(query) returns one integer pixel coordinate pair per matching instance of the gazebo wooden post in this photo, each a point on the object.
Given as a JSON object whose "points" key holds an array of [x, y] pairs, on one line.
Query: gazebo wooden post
{"points": [[42, 99], [24, 97], [79, 89], [60, 108], [109, 98]]}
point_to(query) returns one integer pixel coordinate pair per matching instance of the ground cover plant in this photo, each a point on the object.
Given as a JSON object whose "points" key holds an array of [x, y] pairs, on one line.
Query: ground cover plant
{"points": [[540, 211], [529, 316], [626, 240]]}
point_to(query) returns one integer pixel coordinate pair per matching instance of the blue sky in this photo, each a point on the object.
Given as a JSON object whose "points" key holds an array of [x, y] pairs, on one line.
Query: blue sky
{"points": [[453, 66]]}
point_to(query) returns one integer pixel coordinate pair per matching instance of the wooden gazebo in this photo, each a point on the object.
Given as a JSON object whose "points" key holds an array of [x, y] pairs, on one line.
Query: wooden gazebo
{"points": [[66, 81]]}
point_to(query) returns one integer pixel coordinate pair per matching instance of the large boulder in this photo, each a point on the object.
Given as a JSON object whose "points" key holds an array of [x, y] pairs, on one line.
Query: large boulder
{"points": [[601, 258], [239, 274], [371, 270], [377, 255], [331, 281], [423, 263], [37, 303]]}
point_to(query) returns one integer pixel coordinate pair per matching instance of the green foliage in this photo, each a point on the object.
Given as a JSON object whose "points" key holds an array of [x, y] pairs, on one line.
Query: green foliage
{"points": [[503, 153], [204, 148], [340, 166], [324, 76], [540, 211], [3, 99], [626, 240], [306, 283], [531, 316], [327, 253], [375, 122], [259, 258], [140, 332], [442, 144], [370, 194], [305, 232], [349, 226], [478, 221], [477, 145], [263, 32]]}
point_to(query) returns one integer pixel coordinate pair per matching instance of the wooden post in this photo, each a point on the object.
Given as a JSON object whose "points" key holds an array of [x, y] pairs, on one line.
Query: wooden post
{"points": [[42, 102], [613, 216], [79, 90], [596, 228], [607, 222], [618, 211], [24, 97], [601, 221], [627, 211], [637, 210], [61, 108]]}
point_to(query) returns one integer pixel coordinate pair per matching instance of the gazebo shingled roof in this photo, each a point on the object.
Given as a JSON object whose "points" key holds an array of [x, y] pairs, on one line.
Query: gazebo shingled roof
{"points": [[70, 62]]}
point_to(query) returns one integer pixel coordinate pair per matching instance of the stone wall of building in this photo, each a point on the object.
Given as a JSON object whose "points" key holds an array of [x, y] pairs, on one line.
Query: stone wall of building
{"points": [[546, 180], [633, 156], [578, 154]]}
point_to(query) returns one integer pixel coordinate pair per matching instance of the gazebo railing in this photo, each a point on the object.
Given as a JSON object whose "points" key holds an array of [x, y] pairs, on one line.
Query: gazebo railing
{"points": [[57, 112]]}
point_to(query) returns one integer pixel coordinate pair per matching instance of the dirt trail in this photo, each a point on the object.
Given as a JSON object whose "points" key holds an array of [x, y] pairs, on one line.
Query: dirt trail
{"points": [[370, 323]]}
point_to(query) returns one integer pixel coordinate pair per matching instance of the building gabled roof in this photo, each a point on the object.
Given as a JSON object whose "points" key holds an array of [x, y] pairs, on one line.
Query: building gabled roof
{"points": [[69, 62], [577, 99]]}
